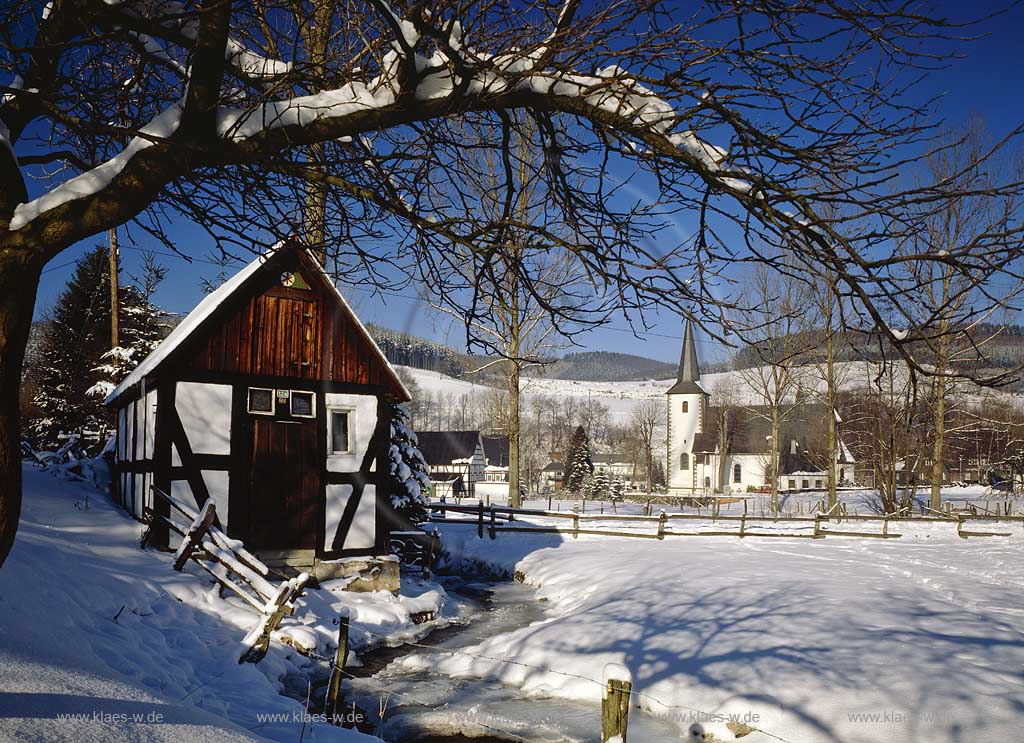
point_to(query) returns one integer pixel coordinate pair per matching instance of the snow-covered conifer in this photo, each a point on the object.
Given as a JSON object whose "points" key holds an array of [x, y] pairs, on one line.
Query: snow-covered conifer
{"points": [[578, 464], [410, 476]]}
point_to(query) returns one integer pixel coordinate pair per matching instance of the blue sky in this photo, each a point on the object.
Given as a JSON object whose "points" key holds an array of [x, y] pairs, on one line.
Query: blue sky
{"points": [[987, 81]]}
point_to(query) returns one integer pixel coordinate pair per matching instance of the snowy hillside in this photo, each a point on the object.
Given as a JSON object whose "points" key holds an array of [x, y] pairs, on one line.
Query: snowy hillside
{"points": [[621, 397]]}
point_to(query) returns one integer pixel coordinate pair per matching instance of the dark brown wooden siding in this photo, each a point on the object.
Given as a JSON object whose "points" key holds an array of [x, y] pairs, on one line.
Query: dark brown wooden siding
{"points": [[304, 334]]}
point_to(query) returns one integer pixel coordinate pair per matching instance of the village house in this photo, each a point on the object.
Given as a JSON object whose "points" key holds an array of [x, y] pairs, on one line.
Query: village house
{"points": [[456, 461], [616, 465], [697, 462], [273, 401]]}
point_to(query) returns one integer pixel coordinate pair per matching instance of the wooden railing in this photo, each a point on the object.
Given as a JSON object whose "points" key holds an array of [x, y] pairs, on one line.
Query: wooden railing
{"points": [[495, 519], [231, 565]]}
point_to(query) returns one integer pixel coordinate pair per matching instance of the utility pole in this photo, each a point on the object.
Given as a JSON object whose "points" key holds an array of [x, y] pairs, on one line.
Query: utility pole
{"points": [[114, 292]]}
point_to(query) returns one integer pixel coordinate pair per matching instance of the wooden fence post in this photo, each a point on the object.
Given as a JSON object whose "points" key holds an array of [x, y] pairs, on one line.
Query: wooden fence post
{"points": [[662, 520], [428, 559], [480, 519], [492, 531], [340, 658], [575, 521], [618, 682]]}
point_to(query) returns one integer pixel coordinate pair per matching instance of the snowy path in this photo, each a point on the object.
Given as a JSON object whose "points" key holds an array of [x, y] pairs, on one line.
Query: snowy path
{"points": [[93, 628], [913, 639]]}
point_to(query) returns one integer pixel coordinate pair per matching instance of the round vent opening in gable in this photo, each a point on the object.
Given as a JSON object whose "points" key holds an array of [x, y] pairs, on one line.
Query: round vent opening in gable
{"points": [[293, 281]]}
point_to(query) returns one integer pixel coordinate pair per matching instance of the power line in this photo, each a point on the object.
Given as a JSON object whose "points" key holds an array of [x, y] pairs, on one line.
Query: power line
{"points": [[399, 295]]}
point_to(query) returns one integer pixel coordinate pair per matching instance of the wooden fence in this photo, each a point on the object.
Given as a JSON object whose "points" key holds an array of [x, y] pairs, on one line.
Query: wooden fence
{"points": [[495, 519], [231, 565]]}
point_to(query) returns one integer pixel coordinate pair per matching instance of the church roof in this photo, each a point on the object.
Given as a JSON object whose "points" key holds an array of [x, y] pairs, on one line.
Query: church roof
{"points": [[447, 447], [688, 379], [750, 431]]}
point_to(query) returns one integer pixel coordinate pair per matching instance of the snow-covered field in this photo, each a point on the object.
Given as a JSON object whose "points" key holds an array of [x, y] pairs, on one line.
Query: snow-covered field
{"points": [[100, 641], [913, 640]]}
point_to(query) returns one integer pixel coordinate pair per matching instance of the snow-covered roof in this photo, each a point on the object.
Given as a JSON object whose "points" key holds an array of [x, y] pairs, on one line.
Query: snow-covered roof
{"points": [[210, 304]]}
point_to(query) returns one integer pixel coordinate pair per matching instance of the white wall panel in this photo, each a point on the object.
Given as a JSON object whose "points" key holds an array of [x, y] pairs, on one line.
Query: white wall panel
{"points": [[217, 485], [364, 421], [205, 413]]}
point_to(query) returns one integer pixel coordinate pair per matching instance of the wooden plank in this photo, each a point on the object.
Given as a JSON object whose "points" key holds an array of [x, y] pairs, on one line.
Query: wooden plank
{"points": [[257, 641], [194, 536]]}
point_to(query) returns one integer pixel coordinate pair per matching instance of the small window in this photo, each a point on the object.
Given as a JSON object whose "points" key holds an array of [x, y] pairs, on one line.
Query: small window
{"points": [[817, 483], [804, 484], [302, 404], [261, 401], [707, 482], [792, 484], [684, 461], [340, 427], [737, 473], [686, 406]]}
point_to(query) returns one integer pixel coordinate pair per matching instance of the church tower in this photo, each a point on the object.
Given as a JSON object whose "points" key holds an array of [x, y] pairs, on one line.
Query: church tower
{"points": [[687, 405]]}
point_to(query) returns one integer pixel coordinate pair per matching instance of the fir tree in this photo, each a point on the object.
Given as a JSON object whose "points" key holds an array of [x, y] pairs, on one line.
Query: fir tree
{"points": [[617, 489], [76, 367], [77, 335], [658, 474], [140, 328], [602, 485], [410, 477], [578, 464]]}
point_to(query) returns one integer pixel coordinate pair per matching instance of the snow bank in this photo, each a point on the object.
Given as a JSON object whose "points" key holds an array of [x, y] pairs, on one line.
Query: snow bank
{"points": [[852, 640], [93, 628]]}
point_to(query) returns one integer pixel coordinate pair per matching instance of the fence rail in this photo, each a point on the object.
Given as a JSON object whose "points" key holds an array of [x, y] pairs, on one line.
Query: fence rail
{"points": [[494, 519]]}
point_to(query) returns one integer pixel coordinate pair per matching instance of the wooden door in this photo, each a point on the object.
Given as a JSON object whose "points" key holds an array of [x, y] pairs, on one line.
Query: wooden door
{"points": [[284, 485]]}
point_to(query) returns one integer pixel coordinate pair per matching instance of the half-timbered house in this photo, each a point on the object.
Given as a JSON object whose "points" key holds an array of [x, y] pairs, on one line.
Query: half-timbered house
{"points": [[271, 399]]}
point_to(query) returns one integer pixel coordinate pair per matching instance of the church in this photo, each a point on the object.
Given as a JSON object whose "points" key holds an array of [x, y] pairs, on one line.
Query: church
{"points": [[727, 449]]}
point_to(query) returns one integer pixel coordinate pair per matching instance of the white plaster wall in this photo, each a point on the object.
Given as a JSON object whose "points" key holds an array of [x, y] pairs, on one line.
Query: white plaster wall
{"points": [[364, 417], [129, 430], [363, 532], [205, 413], [122, 427], [217, 483], [182, 491], [334, 509], [150, 425]]}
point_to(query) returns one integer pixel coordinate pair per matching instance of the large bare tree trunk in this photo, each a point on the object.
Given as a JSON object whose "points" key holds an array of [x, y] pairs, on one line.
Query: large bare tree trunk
{"points": [[513, 436], [115, 311], [935, 501], [18, 282], [774, 461], [831, 436]]}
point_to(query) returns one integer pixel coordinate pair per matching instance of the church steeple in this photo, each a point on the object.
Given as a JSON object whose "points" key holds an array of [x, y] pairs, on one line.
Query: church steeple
{"points": [[688, 379]]}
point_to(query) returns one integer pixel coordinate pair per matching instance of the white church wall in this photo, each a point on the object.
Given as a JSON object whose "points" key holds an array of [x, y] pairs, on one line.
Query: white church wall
{"points": [[682, 429]]}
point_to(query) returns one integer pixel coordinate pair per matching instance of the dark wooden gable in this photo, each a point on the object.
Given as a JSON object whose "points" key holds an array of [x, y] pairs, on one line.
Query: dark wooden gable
{"points": [[270, 329]]}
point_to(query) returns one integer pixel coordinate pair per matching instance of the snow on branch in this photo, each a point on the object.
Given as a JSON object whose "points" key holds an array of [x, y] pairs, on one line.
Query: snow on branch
{"points": [[95, 180]]}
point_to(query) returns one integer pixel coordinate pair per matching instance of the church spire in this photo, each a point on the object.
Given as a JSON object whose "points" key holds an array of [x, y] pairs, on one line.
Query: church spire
{"points": [[688, 379]]}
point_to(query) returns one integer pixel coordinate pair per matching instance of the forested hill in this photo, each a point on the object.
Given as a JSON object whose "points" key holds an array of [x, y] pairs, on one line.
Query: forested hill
{"points": [[608, 366]]}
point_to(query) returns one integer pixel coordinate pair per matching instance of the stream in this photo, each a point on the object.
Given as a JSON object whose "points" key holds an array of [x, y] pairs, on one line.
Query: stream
{"points": [[428, 708]]}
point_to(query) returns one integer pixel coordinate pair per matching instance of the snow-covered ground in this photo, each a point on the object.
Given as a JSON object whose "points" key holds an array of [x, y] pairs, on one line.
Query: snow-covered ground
{"points": [[102, 641], [904, 641]]}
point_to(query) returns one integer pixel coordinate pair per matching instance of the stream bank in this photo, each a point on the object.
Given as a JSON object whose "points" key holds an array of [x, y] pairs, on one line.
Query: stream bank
{"points": [[400, 704]]}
